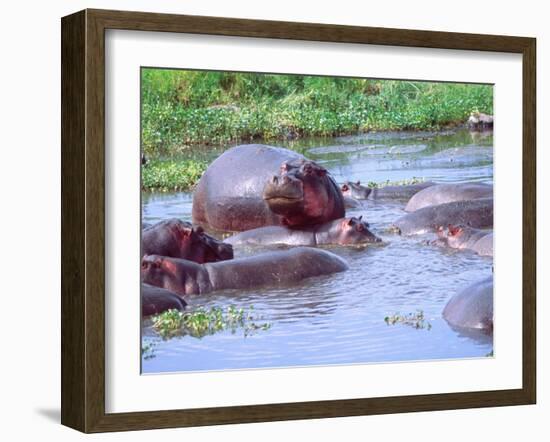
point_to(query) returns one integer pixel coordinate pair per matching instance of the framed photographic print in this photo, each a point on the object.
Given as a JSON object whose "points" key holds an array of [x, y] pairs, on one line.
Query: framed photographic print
{"points": [[268, 221]]}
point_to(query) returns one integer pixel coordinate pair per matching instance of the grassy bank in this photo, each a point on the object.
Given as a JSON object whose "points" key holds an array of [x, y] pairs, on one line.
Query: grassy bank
{"points": [[170, 175], [183, 108]]}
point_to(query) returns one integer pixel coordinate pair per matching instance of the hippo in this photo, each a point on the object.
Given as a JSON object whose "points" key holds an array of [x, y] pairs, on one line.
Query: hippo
{"points": [[473, 213], [392, 192], [479, 121], [345, 231], [472, 308], [467, 238], [351, 203], [265, 269], [254, 185], [179, 239], [155, 300], [446, 193]]}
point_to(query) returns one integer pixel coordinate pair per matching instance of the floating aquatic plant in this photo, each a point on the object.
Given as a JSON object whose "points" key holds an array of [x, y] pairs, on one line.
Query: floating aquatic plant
{"points": [[404, 182], [202, 322], [416, 320]]}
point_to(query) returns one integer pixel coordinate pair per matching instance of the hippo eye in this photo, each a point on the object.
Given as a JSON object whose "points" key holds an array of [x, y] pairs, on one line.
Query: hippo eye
{"points": [[360, 227], [143, 265]]}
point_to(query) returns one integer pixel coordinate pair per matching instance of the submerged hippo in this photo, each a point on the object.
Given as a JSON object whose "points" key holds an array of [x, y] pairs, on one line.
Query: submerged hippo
{"points": [[467, 238], [446, 193], [472, 308], [345, 231], [179, 239], [473, 213], [266, 269], [155, 300], [394, 192], [254, 185]]}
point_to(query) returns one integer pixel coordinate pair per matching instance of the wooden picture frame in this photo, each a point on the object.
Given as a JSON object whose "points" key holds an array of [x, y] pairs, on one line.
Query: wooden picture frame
{"points": [[83, 220]]}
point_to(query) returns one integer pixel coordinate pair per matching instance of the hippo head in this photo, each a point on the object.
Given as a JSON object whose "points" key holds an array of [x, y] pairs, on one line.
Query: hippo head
{"points": [[304, 194], [453, 236], [179, 239], [355, 231], [176, 275], [457, 235], [355, 190], [212, 249]]}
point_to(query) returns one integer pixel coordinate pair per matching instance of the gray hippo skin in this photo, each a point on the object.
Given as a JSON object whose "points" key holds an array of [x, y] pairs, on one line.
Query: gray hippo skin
{"points": [[263, 270], [254, 185], [398, 192], [446, 193], [345, 231], [155, 300], [179, 239], [474, 213], [472, 308], [467, 238]]}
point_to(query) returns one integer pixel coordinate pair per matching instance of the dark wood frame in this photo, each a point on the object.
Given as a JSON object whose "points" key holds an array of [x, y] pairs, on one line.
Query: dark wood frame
{"points": [[83, 220]]}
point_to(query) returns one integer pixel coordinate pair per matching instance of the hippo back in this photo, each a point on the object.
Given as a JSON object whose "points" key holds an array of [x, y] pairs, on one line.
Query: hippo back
{"points": [[472, 308], [446, 193]]}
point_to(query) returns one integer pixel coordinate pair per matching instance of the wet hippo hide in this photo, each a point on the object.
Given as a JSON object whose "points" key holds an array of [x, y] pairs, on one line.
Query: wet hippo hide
{"points": [[391, 192], [447, 193], [155, 300], [474, 213], [266, 269], [254, 185], [467, 238], [472, 308], [345, 231], [179, 239]]}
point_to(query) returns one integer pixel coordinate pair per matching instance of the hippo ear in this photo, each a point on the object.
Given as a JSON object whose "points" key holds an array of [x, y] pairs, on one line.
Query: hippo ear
{"points": [[358, 182], [321, 171], [351, 221], [198, 230], [360, 218], [344, 188], [454, 230]]}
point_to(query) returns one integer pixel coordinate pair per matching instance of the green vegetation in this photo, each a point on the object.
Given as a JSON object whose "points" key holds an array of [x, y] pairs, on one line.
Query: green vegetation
{"points": [[184, 108], [416, 320], [404, 182], [202, 322], [171, 175]]}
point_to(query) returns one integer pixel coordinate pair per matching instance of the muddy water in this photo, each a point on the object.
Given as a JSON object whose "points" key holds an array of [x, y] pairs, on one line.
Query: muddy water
{"points": [[339, 319]]}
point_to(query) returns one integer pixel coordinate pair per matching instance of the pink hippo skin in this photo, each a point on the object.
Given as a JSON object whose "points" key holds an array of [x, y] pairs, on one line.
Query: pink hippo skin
{"points": [[179, 239]]}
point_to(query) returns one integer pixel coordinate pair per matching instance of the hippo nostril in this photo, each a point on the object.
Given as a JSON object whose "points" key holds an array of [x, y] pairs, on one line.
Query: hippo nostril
{"points": [[274, 180], [286, 180]]}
